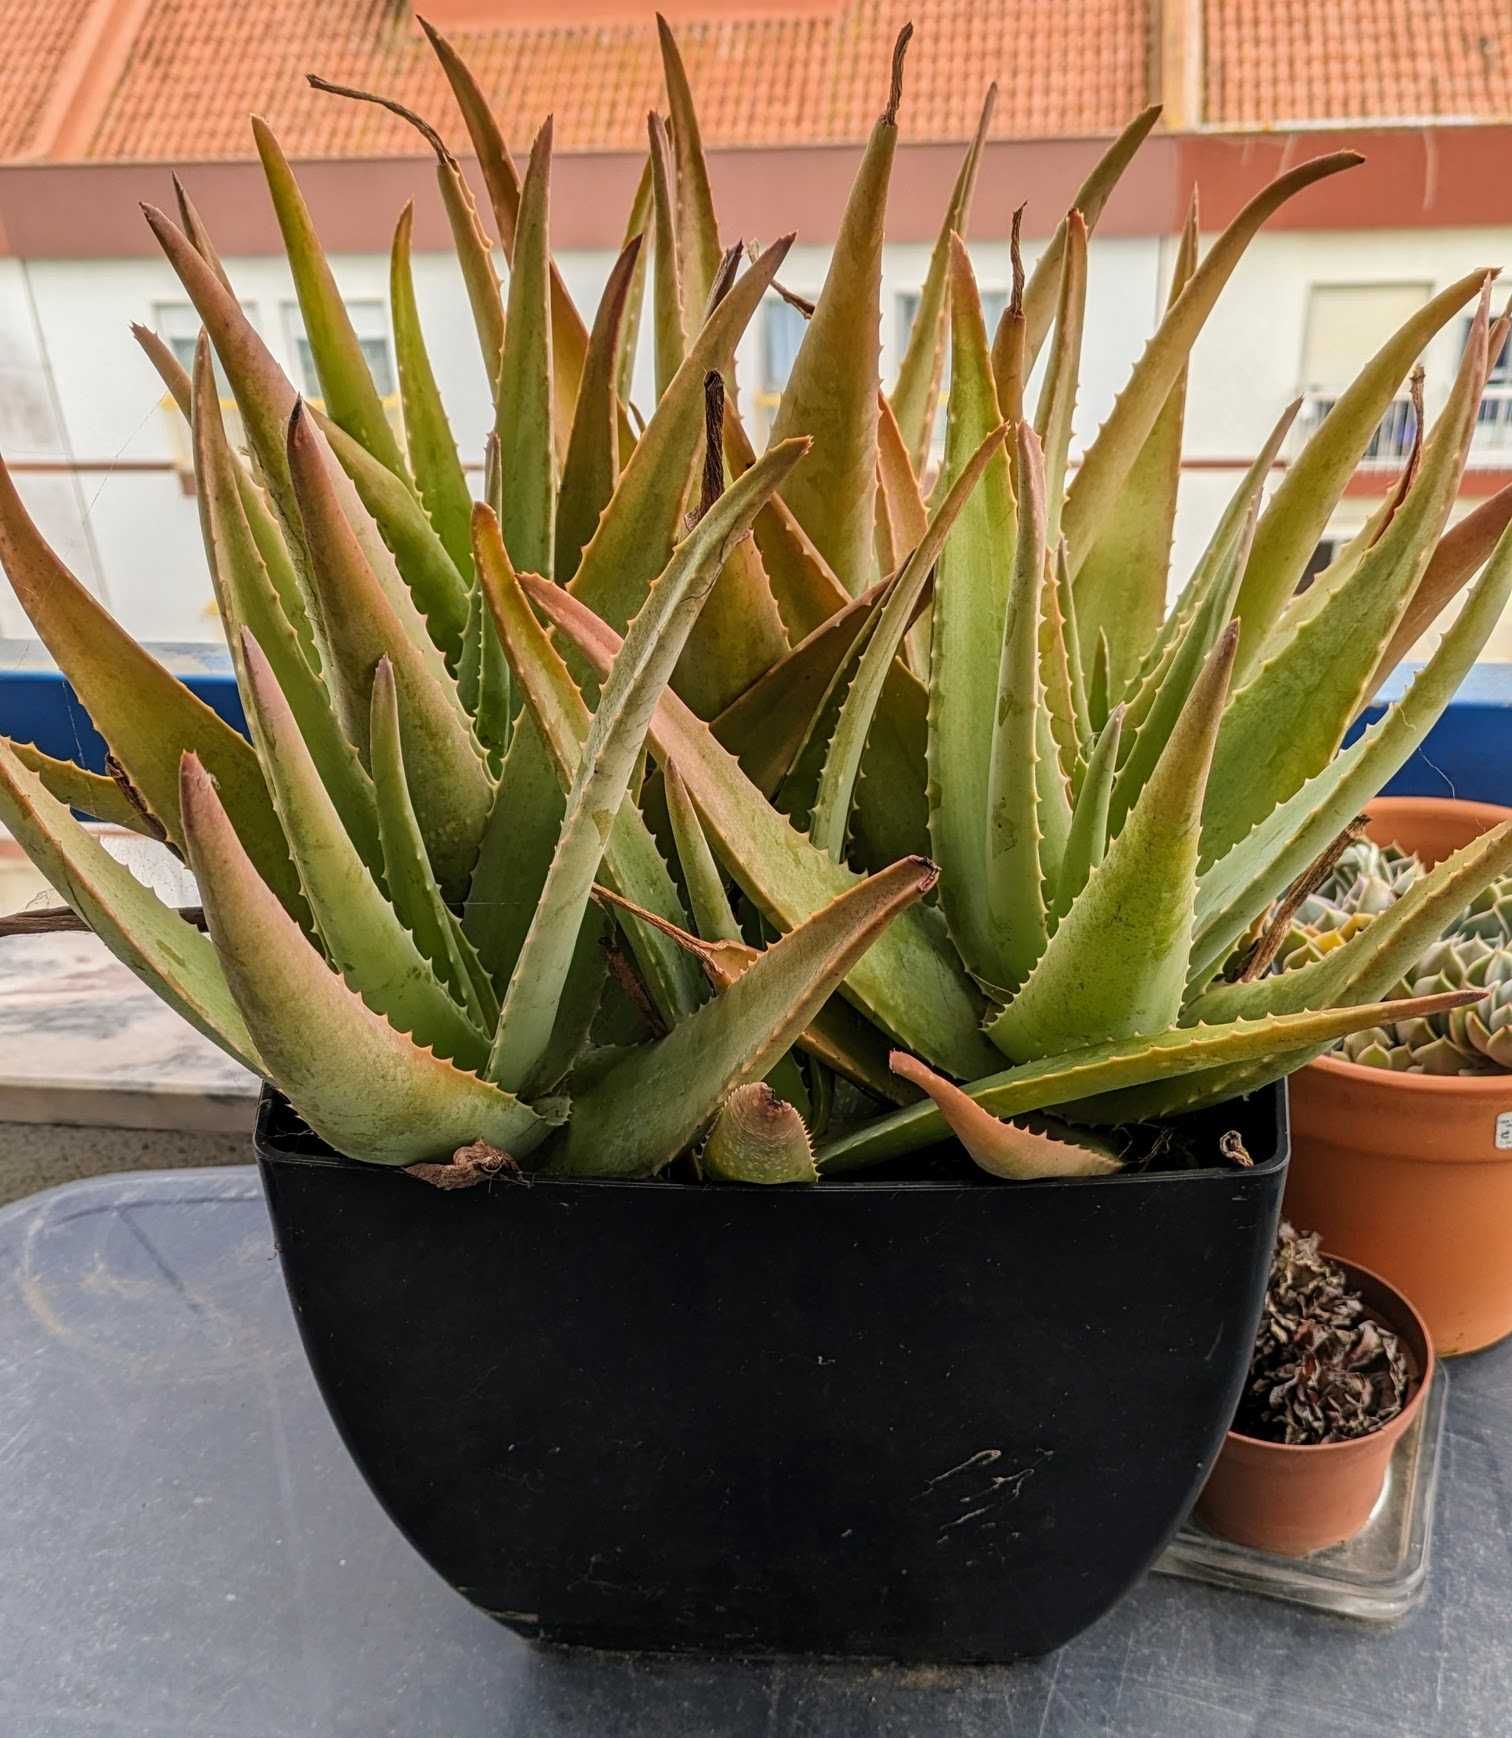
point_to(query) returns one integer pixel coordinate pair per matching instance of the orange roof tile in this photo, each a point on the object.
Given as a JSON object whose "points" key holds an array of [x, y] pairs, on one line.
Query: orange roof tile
{"points": [[1270, 62], [198, 67], [38, 36]]}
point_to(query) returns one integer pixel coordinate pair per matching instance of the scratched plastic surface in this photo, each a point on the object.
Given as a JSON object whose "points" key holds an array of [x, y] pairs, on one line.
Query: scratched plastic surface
{"points": [[187, 1553]]}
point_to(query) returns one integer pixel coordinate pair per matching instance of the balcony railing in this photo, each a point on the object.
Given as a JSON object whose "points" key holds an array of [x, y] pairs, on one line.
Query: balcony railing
{"points": [[1490, 445]]}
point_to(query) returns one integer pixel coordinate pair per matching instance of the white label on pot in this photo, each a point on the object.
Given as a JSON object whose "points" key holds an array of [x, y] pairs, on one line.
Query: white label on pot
{"points": [[1504, 1129]]}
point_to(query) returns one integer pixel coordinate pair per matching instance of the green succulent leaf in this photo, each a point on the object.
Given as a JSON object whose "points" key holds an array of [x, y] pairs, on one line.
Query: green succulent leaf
{"points": [[432, 450], [916, 393], [170, 956], [363, 1086], [103, 799], [1116, 964], [1057, 401], [660, 1098], [146, 715], [911, 983], [1108, 460], [351, 399]]}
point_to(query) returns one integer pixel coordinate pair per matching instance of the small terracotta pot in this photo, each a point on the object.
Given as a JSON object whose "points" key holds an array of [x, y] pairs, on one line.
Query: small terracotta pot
{"points": [[1411, 1174], [1296, 1500]]}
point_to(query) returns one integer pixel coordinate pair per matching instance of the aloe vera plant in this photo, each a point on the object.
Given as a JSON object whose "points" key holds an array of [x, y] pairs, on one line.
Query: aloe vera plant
{"points": [[598, 822]]}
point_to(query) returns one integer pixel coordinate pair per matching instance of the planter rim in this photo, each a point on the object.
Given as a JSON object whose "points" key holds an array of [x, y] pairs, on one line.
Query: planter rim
{"points": [[1468, 1086], [272, 1149], [1394, 1426], [1386, 807], [827, 1186]]}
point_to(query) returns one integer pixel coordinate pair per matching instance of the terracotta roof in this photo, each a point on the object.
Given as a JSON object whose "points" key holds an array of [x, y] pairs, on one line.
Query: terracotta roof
{"points": [[179, 78], [1270, 62], [38, 36], [198, 67]]}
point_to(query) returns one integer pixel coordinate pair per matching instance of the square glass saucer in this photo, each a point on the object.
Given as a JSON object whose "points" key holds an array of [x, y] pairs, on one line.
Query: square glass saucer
{"points": [[1378, 1576]]}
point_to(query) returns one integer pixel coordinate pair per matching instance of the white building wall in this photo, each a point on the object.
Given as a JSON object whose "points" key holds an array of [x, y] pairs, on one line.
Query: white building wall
{"points": [[74, 386]]}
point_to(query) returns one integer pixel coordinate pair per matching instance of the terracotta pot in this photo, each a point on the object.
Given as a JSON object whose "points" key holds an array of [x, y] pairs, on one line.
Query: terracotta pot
{"points": [[1411, 1174], [1296, 1500]]}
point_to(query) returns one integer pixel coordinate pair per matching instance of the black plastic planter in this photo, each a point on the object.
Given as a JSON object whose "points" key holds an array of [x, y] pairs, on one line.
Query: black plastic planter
{"points": [[913, 1420]]}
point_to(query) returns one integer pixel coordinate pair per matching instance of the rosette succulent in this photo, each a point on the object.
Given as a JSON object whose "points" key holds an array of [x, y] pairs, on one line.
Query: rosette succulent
{"points": [[797, 808]]}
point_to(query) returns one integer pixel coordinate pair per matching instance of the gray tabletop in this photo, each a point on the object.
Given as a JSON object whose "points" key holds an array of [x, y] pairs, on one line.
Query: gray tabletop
{"points": [[186, 1552]]}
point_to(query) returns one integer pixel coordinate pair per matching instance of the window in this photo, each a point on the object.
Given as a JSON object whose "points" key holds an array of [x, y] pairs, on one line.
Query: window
{"points": [[178, 325], [782, 329], [1346, 325], [369, 321], [1491, 443]]}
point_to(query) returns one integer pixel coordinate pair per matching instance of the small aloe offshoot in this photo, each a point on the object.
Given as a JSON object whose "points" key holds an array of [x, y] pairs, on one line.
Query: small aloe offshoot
{"points": [[776, 812]]}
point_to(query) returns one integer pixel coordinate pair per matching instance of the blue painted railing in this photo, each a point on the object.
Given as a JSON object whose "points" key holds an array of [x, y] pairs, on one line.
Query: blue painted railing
{"points": [[1468, 753]]}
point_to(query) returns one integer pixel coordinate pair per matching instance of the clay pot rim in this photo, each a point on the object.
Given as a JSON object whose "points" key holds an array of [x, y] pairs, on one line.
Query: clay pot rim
{"points": [[1393, 1427], [1466, 1086], [1492, 813]]}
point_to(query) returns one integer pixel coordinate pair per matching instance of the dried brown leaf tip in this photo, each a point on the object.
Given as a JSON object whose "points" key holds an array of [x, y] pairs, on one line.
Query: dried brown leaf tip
{"points": [[1016, 251], [470, 1165], [1324, 1369], [895, 92], [1231, 1147]]}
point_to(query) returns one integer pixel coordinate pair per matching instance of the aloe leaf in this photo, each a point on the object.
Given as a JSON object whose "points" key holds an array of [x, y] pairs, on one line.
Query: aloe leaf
{"points": [[1040, 298], [1057, 401], [1157, 706], [1221, 1085], [901, 513], [248, 602], [1091, 1075], [265, 527], [1065, 709], [432, 450], [832, 391], [669, 322], [593, 450], [569, 336], [554, 737], [1307, 495], [1461, 552], [351, 399], [170, 956], [713, 916], [1240, 885], [1108, 460], [1021, 769], [737, 638], [768, 725], [363, 936], [1122, 582], [966, 643], [525, 420], [193, 226], [1380, 954], [102, 798], [1003, 1148], [640, 673], [698, 246], [916, 393], [635, 537], [147, 716], [911, 984], [842, 763], [1134, 916], [757, 1137], [415, 550], [837, 1036], [412, 888], [364, 622], [263, 394], [1010, 367], [660, 1098], [1087, 842], [1214, 568], [637, 225], [1098, 696], [362, 1086], [1286, 721]]}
